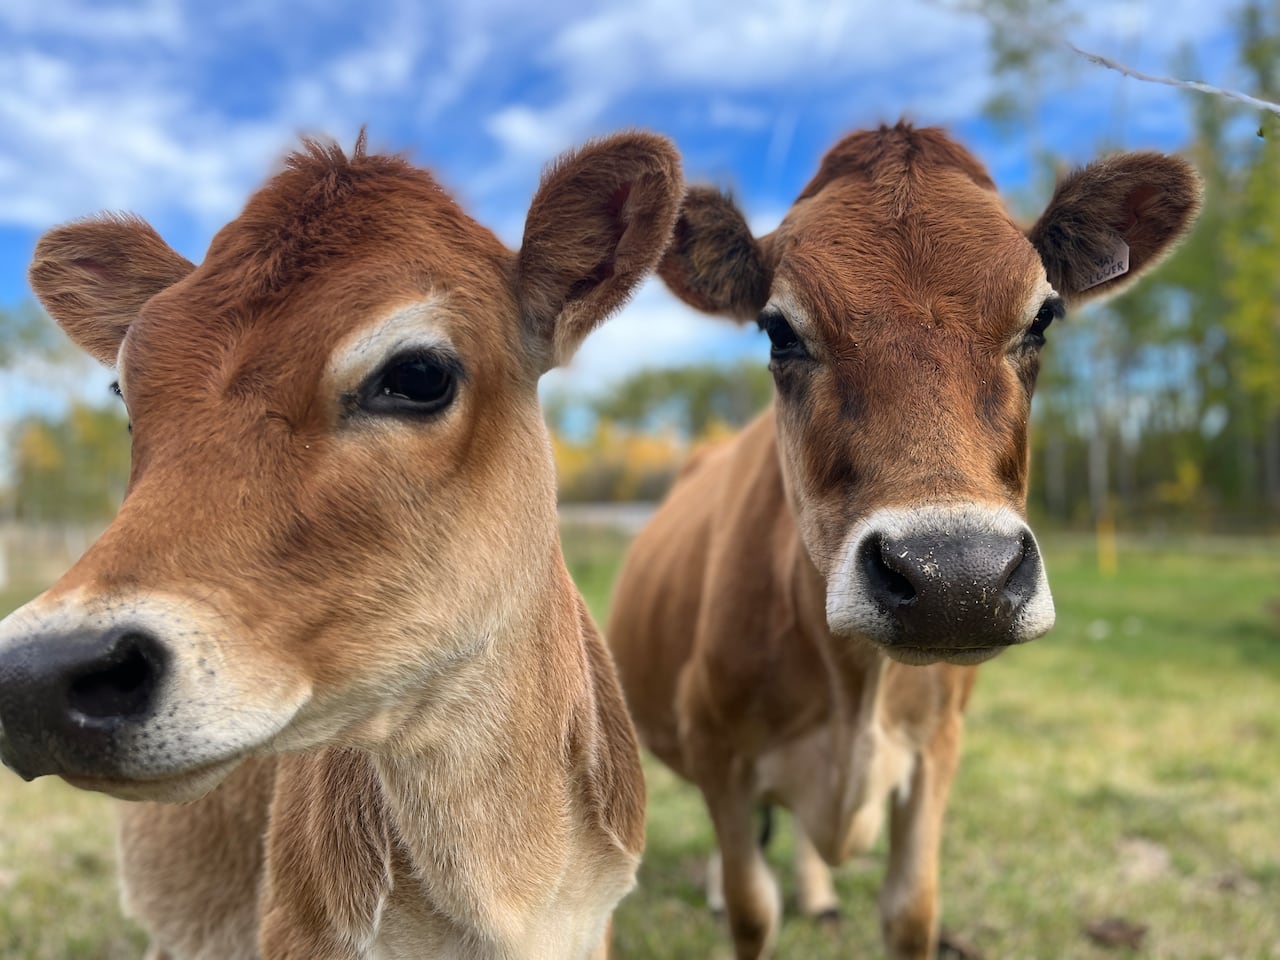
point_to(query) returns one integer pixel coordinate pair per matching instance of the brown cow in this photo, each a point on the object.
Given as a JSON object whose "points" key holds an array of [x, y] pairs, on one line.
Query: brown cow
{"points": [[335, 585], [773, 623]]}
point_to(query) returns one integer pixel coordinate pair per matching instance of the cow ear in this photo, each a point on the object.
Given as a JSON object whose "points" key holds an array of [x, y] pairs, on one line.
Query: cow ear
{"points": [[93, 276], [597, 226], [1113, 220], [714, 263]]}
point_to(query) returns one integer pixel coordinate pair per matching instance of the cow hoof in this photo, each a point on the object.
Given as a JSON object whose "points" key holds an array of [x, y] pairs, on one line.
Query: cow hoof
{"points": [[828, 920]]}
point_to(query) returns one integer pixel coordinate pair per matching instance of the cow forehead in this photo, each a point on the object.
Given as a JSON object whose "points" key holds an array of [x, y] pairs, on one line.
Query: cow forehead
{"points": [[326, 208], [854, 256], [328, 246]]}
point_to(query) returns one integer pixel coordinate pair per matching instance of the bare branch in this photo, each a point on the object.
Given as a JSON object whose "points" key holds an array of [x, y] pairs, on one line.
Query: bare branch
{"points": [[1195, 85], [1043, 34]]}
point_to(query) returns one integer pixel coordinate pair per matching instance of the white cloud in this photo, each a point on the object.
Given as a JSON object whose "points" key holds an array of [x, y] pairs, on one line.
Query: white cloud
{"points": [[94, 127], [117, 106], [324, 95], [525, 132], [726, 113], [847, 62], [814, 49], [84, 146], [765, 220], [757, 44], [655, 330], [100, 126], [463, 57], [150, 21]]}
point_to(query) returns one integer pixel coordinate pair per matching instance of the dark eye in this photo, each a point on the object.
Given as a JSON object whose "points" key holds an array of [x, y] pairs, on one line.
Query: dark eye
{"points": [[115, 388], [783, 340], [1050, 310], [417, 384]]}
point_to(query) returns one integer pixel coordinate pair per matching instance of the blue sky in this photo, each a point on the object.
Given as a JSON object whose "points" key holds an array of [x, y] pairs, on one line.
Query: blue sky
{"points": [[177, 109]]}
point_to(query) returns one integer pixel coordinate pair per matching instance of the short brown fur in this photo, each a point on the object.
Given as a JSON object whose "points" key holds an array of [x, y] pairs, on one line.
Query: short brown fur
{"points": [[914, 294], [381, 598]]}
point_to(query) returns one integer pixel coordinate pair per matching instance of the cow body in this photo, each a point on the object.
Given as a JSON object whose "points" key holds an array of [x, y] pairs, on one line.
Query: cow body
{"points": [[836, 734], [801, 622], [332, 617]]}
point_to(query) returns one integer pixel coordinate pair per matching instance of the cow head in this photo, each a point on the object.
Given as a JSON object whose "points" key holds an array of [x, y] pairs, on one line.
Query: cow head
{"points": [[341, 509], [907, 312]]}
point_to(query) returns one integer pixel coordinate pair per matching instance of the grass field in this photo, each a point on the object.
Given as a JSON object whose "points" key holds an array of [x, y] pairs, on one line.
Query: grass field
{"points": [[1127, 765]]}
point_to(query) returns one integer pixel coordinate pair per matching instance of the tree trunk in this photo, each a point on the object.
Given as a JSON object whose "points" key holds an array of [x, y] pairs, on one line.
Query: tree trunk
{"points": [[1246, 459], [1271, 463], [1055, 476], [1099, 468]]}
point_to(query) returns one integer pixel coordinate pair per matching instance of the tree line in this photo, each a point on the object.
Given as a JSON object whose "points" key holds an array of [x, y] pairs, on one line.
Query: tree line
{"points": [[1164, 404]]}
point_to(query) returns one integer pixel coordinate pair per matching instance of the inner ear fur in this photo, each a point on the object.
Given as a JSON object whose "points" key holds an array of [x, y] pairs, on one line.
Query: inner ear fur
{"points": [[600, 220], [93, 276], [714, 263], [1148, 200]]}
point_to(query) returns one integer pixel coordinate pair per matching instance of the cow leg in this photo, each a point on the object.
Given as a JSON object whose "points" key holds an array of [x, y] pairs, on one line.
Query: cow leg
{"points": [[751, 897], [715, 885], [909, 911], [815, 891]]}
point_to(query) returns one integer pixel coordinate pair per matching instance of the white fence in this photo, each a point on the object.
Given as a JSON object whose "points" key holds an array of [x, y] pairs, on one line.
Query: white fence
{"points": [[35, 555]]}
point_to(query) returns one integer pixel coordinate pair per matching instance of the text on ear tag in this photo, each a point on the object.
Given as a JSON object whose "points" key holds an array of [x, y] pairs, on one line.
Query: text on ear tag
{"points": [[1108, 265]]}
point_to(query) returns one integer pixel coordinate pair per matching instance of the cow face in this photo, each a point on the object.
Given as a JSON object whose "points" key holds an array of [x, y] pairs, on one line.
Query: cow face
{"points": [[906, 313], [342, 500]]}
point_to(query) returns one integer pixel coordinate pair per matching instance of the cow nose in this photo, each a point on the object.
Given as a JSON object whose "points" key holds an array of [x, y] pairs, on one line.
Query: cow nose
{"points": [[65, 699], [955, 591]]}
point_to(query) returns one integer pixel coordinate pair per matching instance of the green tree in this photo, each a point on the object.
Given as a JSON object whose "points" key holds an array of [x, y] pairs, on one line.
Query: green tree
{"points": [[1168, 398], [1252, 253], [70, 470], [690, 399], [25, 329]]}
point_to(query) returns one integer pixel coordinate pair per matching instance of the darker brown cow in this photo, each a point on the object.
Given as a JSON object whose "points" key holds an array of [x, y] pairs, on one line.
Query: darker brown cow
{"points": [[335, 586], [799, 623]]}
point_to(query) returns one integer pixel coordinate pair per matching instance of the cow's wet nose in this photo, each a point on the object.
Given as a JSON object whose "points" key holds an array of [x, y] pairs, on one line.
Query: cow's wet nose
{"points": [[952, 590], [64, 699]]}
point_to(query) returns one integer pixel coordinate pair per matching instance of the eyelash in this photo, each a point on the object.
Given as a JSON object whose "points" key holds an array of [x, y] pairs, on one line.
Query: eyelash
{"points": [[785, 343], [1050, 310], [115, 388]]}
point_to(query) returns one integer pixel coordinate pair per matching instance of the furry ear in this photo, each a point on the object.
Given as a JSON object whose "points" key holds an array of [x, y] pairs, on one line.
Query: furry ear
{"points": [[1113, 220], [93, 276], [714, 263], [597, 226]]}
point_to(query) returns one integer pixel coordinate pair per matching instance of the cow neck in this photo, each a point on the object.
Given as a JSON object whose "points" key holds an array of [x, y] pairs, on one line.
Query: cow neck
{"points": [[856, 691], [504, 716]]}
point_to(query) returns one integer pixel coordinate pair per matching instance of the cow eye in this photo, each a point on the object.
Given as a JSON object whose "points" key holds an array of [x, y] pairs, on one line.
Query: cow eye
{"points": [[115, 389], [785, 343], [1050, 310], [415, 384]]}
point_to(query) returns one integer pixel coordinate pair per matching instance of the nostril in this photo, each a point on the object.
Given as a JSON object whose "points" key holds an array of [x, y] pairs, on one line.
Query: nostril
{"points": [[891, 586], [1022, 574], [121, 684], [1011, 566]]}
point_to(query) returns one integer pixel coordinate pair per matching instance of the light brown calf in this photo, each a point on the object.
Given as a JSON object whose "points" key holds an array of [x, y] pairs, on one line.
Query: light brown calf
{"points": [[335, 586], [799, 622]]}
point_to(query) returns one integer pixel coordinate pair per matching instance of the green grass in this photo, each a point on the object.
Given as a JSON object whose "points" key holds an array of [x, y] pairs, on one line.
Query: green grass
{"points": [[1148, 723], [1128, 764]]}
